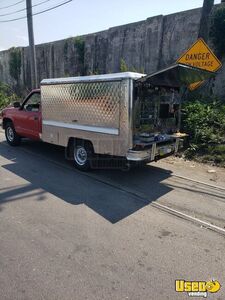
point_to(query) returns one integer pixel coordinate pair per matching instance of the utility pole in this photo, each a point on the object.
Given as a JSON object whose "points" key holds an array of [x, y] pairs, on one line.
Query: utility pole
{"points": [[205, 20], [204, 29], [33, 64]]}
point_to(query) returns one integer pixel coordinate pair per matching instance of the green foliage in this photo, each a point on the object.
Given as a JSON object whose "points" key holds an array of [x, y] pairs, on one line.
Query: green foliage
{"points": [[6, 95], [205, 124], [79, 44], [96, 72], [142, 70], [123, 66], [65, 49], [66, 74], [217, 31], [133, 69], [15, 63]]}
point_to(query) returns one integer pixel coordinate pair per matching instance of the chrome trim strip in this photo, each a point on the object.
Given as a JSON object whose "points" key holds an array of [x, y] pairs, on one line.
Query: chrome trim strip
{"points": [[106, 130]]}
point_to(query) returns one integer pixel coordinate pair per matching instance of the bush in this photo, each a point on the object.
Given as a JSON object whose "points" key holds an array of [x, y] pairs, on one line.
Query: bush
{"points": [[205, 124], [7, 96]]}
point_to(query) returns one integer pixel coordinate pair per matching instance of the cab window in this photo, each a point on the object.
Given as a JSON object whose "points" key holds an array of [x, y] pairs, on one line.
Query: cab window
{"points": [[33, 103]]}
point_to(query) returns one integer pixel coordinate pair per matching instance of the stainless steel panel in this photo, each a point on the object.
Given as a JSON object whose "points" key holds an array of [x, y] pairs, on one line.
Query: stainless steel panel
{"points": [[93, 103], [102, 105]]}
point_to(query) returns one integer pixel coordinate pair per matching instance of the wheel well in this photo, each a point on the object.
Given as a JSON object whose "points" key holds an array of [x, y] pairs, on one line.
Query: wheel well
{"points": [[74, 141], [5, 121]]}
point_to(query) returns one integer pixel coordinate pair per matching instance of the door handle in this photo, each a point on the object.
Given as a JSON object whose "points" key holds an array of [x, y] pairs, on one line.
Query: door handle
{"points": [[35, 118]]}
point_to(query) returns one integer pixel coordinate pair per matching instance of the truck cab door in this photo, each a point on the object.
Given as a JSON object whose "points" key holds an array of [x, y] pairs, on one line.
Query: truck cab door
{"points": [[28, 120]]}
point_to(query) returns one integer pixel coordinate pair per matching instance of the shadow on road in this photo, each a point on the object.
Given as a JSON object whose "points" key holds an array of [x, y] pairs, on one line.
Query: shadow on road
{"points": [[43, 172], [20, 192]]}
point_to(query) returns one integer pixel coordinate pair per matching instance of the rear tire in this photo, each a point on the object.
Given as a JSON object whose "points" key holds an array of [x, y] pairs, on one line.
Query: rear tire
{"points": [[12, 137], [82, 155]]}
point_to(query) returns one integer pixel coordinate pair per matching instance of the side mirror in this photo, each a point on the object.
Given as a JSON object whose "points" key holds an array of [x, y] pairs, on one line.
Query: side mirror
{"points": [[16, 104]]}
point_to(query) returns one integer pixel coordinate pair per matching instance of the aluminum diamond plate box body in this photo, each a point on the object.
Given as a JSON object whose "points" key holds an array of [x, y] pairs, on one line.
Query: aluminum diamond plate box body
{"points": [[94, 103], [94, 108]]}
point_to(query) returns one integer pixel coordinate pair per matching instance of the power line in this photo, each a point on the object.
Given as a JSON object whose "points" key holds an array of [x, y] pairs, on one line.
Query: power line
{"points": [[14, 12], [3, 7], [51, 8], [37, 13]]}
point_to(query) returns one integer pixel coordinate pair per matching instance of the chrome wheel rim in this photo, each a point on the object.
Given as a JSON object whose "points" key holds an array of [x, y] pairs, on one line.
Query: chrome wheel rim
{"points": [[80, 155], [10, 134]]}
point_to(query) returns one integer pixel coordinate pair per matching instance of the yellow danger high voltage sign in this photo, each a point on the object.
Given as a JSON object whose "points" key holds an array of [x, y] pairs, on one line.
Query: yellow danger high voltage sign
{"points": [[199, 55]]}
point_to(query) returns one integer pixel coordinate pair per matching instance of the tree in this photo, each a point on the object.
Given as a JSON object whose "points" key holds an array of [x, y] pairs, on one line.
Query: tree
{"points": [[205, 19], [7, 95], [217, 35]]}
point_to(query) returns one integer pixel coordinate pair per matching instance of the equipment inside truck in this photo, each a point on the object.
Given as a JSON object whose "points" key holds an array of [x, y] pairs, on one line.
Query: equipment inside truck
{"points": [[156, 110], [157, 102]]}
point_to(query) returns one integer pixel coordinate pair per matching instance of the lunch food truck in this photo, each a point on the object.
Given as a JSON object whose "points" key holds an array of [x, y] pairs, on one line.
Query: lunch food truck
{"points": [[129, 116]]}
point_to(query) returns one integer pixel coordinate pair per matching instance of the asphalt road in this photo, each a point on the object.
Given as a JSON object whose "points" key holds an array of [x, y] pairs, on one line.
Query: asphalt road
{"points": [[69, 235]]}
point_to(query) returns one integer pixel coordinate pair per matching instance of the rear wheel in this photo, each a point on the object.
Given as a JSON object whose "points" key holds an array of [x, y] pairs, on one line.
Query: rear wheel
{"points": [[82, 155], [12, 137]]}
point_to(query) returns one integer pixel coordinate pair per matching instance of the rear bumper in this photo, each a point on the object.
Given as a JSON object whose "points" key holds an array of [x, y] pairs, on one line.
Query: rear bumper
{"points": [[138, 155], [155, 152]]}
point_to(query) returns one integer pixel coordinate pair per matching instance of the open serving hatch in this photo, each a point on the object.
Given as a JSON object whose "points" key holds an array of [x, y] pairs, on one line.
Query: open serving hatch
{"points": [[177, 76], [157, 101]]}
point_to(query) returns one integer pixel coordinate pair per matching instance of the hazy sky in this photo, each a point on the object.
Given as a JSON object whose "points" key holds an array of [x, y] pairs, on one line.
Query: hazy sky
{"points": [[81, 17]]}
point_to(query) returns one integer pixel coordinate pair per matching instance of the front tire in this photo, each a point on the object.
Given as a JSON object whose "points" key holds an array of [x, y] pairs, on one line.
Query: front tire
{"points": [[12, 137], [82, 155]]}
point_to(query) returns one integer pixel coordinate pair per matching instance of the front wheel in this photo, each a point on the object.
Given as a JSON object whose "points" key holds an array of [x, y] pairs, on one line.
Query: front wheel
{"points": [[82, 154], [12, 137]]}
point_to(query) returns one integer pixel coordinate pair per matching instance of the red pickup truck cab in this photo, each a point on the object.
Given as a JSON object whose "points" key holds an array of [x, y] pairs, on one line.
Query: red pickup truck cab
{"points": [[23, 120]]}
